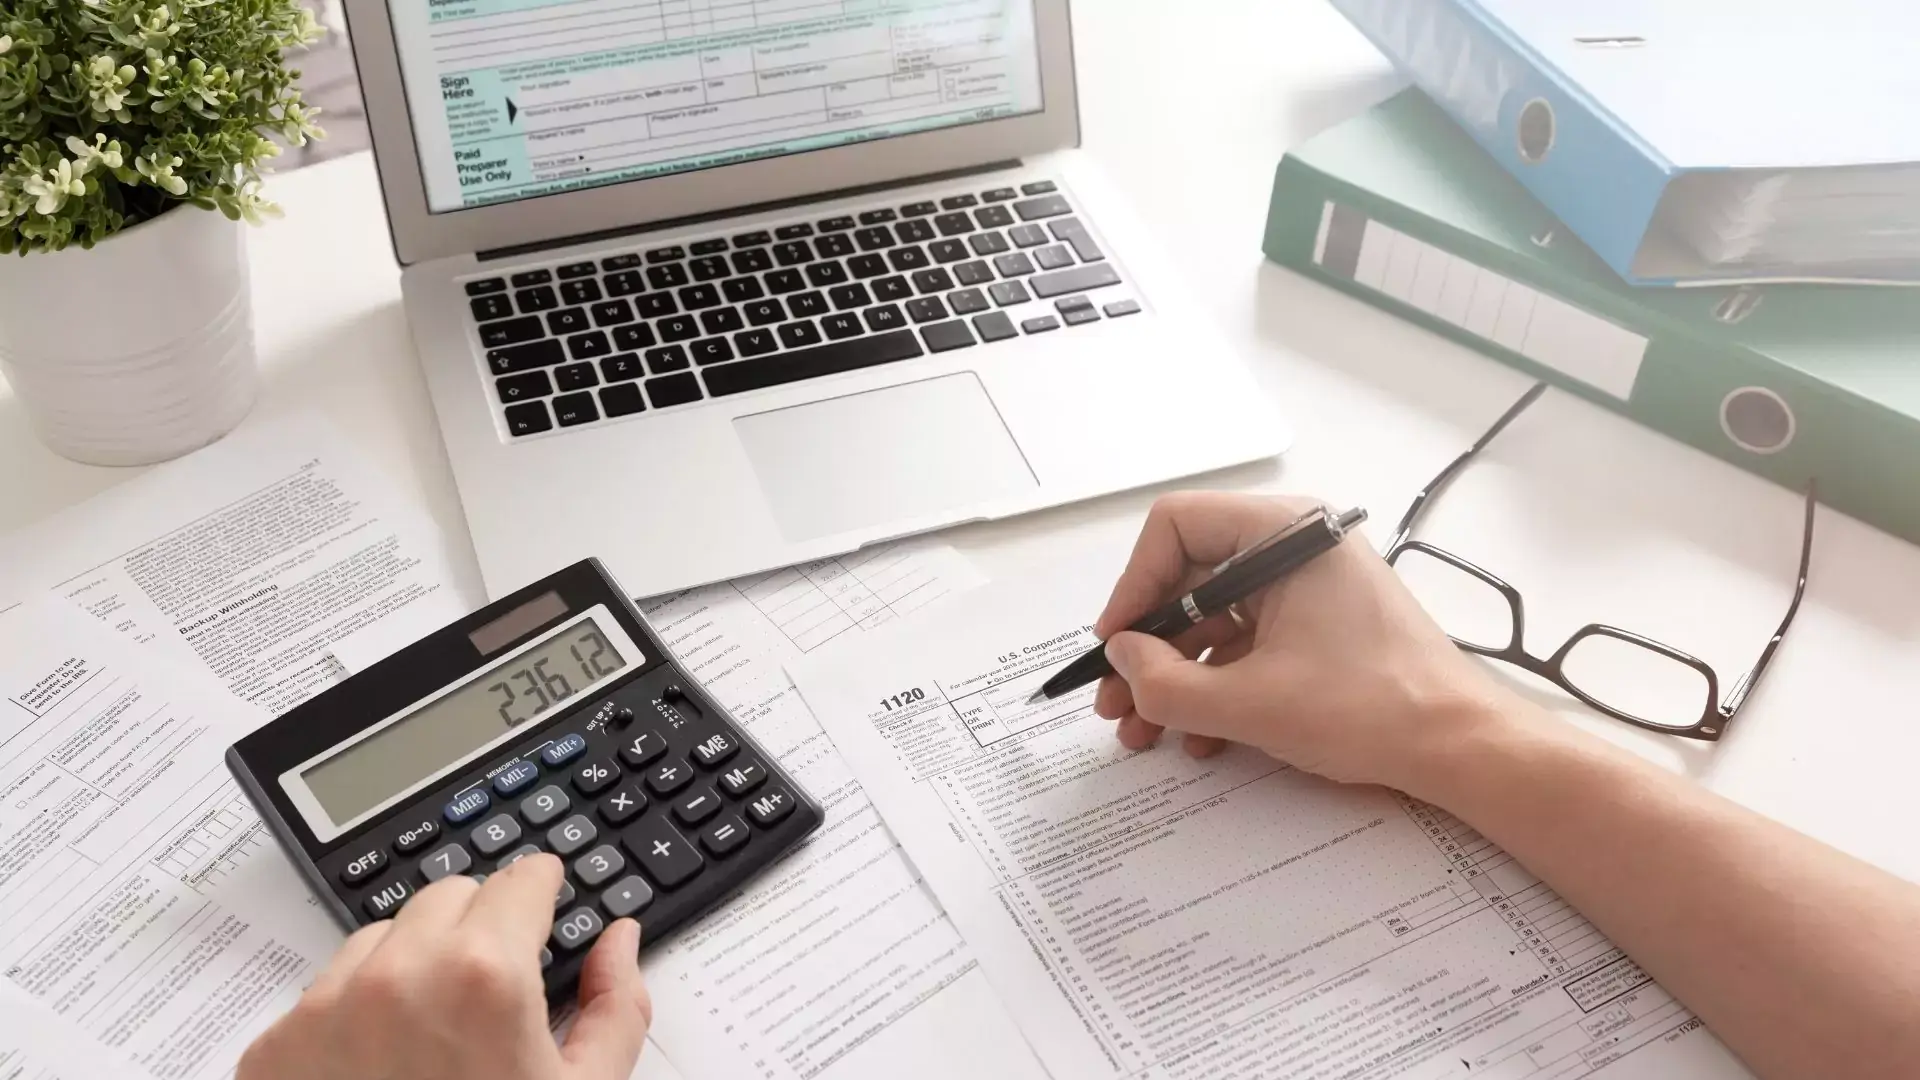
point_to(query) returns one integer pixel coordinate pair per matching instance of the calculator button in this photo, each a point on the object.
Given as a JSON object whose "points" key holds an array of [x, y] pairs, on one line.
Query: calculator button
{"points": [[725, 836], [669, 777], [387, 899], [512, 857], [564, 749], [466, 806], [363, 867], [667, 855], [715, 749], [599, 866], [519, 777], [623, 806], [445, 862], [770, 806], [565, 896], [576, 929], [571, 835], [417, 837], [643, 748], [545, 805], [546, 958], [595, 776], [492, 836], [744, 776], [699, 805], [629, 895]]}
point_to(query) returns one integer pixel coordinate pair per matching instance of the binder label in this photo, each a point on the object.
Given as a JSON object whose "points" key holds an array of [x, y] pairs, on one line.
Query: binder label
{"points": [[1543, 328]]}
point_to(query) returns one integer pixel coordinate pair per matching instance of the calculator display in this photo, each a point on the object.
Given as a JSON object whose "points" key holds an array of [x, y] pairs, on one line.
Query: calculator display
{"points": [[423, 744]]}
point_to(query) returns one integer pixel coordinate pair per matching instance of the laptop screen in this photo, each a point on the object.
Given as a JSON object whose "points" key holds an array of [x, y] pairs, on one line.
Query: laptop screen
{"points": [[511, 99]]}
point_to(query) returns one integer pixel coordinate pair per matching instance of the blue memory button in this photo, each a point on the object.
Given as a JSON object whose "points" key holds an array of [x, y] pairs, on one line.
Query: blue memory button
{"points": [[517, 778], [467, 806], [564, 749]]}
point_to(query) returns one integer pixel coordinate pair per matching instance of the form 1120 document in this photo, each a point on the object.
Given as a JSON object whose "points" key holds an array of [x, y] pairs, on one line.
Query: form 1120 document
{"points": [[1144, 914]]}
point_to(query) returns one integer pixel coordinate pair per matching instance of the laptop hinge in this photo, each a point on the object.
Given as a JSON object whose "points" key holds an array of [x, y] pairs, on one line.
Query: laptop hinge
{"points": [[522, 250]]}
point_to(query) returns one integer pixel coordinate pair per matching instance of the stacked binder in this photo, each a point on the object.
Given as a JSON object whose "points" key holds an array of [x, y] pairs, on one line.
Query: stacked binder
{"points": [[1426, 207], [1689, 143]]}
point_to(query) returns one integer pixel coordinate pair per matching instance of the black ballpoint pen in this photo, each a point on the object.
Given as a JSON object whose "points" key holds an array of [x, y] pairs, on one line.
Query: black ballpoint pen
{"points": [[1303, 540]]}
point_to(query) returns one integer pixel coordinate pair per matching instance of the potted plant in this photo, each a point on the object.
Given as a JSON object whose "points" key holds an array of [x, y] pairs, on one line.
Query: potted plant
{"points": [[131, 138]]}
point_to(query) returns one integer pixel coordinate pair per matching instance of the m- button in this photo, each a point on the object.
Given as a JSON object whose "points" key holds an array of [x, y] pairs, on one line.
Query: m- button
{"points": [[744, 776]]}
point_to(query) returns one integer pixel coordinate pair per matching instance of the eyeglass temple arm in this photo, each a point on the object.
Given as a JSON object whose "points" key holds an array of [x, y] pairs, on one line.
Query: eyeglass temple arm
{"points": [[1738, 695], [1439, 483]]}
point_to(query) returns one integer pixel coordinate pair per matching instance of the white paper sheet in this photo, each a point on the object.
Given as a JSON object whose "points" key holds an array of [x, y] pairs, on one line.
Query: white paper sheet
{"points": [[1148, 915], [140, 897], [37, 1043], [240, 567], [251, 558], [837, 963]]}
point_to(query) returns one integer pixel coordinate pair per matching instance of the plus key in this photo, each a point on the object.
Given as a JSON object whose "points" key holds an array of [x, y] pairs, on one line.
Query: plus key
{"points": [[669, 857]]}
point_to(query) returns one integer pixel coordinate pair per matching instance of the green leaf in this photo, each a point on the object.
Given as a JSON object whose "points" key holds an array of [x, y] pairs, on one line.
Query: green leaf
{"points": [[205, 86]]}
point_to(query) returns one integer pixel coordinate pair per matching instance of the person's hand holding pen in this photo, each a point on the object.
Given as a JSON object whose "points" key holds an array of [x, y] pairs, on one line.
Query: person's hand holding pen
{"points": [[1338, 670]]}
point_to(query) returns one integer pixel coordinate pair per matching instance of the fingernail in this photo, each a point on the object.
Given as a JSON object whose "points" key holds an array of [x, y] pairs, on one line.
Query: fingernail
{"points": [[1120, 654]]}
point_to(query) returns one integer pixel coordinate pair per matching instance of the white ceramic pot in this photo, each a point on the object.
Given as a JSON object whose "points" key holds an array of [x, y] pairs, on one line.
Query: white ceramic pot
{"points": [[137, 350]]}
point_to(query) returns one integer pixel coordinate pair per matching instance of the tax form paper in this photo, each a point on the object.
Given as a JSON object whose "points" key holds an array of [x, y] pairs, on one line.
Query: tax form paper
{"points": [[1149, 915]]}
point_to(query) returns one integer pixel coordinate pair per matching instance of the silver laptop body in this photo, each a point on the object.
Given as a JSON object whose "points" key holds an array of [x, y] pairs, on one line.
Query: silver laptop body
{"points": [[707, 287]]}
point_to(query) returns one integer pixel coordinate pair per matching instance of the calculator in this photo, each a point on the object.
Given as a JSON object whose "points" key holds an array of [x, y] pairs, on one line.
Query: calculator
{"points": [[554, 720]]}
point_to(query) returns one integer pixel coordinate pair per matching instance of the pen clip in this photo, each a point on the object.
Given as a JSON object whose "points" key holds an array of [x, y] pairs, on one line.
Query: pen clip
{"points": [[1291, 527]]}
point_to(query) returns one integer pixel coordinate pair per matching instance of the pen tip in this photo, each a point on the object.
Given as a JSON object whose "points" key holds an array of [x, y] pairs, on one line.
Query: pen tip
{"points": [[1037, 697]]}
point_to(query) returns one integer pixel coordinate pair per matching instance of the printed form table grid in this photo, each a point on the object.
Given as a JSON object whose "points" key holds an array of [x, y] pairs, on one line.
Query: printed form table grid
{"points": [[1614, 996]]}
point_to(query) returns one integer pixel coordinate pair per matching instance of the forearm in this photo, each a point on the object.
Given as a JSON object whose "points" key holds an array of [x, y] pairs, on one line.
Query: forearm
{"points": [[1803, 960]]}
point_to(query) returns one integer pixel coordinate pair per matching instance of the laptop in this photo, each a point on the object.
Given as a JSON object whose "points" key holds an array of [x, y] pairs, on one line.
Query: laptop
{"points": [[709, 287]]}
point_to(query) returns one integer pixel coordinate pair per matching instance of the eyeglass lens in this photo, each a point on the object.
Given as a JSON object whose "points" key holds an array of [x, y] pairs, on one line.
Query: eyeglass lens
{"points": [[1621, 675]]}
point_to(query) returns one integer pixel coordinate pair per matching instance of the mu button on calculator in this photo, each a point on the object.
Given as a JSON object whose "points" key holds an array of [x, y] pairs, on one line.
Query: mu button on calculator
{"points": [[387, 898], [552, 721]]}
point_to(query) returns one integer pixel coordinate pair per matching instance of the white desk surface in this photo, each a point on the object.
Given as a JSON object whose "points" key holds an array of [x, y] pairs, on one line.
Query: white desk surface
{"points": [[1595, 519]]}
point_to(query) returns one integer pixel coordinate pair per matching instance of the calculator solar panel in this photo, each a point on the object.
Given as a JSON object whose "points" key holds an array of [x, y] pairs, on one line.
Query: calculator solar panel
{"points": [[551, 721]]}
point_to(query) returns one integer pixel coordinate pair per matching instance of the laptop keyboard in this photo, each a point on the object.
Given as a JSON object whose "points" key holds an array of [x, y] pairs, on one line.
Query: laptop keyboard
{"points": [[585, 341]]}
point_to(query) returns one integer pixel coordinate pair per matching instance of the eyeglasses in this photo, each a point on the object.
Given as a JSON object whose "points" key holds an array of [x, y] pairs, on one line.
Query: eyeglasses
{"points": [[1625, 675]]}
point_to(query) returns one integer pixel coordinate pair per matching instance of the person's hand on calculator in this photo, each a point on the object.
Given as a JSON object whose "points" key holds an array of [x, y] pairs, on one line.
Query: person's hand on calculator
{"points": [[450, 989]]}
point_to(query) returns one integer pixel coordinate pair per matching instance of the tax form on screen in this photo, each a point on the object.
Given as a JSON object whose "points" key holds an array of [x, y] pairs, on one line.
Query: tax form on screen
{"points": [[1149, 915], [516, 98]]}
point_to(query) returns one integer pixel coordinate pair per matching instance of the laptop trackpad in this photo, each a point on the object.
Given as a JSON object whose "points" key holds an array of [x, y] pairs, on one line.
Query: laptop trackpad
{"points": [[883, 456]]}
